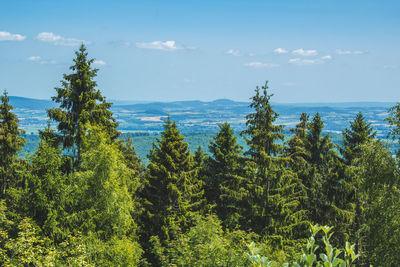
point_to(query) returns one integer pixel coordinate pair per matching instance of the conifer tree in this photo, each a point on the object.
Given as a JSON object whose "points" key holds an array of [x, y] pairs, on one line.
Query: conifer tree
{"points": [[360, 132], [200, 158], [45, 188], [10, 143], [324, 181], [319, 146], [274, 191], [173, 192], [80, 103], [296, 147], [224, 184]]}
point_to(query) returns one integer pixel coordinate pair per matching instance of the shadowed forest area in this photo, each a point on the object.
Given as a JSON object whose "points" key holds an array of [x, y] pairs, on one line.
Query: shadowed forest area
{"points": [[85, 198]]}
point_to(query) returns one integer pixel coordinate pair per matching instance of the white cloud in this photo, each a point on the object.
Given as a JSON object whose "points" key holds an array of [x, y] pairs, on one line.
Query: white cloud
{"points": [[300, 61], [34, 58], [233, 52], [7, 36], [349, 52], [50, 37], [99, 63], [48, 62], [160, 45], [280, 51], [327, 57], [256, 64], [305, 53]]}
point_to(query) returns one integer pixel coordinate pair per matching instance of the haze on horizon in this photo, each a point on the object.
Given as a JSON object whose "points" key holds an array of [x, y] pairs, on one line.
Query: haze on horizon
{"points": [[310, 51]]}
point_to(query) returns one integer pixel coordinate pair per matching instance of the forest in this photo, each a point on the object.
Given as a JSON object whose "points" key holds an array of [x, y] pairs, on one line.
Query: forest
{"points": [[85, 198]]}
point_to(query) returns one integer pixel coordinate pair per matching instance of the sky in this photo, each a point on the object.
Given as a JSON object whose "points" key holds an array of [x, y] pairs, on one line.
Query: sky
{"points": [[308, 50]]}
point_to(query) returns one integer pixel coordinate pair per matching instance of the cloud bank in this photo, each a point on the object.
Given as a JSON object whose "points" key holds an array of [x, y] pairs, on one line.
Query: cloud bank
{"points": [[280, 51], [7, 36], [257, 64], [50, 37], [99, 63], [233, 52], [348, 52], [160, 45], [305, 53]]}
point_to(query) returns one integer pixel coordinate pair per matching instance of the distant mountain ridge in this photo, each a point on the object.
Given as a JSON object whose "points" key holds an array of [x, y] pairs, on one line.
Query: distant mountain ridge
{"points": [[34, 103], [204, 116]]}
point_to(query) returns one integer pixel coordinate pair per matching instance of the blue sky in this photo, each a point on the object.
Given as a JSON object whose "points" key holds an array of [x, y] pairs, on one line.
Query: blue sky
{"points": [[310, 51]]}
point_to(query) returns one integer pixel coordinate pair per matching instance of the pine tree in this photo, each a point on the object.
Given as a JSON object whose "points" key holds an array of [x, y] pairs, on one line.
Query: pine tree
{"points": [[80, 102], [360, 132], [261, 129], [224, 184], [10, 143], [324, 181], [296, 146], [173, 192], [274, 191], [200, 158], [45, 188], [319, 146]]}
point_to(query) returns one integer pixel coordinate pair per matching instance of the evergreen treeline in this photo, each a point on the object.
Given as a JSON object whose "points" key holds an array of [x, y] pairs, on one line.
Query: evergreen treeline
{"points": [[84, 198]]}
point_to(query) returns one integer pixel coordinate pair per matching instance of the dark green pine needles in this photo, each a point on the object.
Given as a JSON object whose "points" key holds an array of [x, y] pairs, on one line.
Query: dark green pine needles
{"points": [[81, 103], [10, 143], [173, 192]]}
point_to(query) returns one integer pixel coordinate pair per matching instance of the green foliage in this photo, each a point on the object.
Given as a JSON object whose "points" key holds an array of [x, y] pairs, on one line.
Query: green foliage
{"points": [[173, 192], [313, 158], [102, 207], [360, 132], [46, 189], [328, 257], [10, 144], [28, 248], [379, 196], [205, 244], [224, 179], [261, 133], [394, 121], [81, 103], [274, 192], [103, 188]]}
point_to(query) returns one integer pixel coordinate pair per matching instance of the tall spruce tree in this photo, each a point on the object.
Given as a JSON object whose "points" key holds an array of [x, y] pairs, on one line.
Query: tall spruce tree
{"points": [[173, 192], [45, 190], [295, 149], [325, 182], [80, 103], [224, 184], [10, 143], [360, 132], [320, 146], [274, 191]]}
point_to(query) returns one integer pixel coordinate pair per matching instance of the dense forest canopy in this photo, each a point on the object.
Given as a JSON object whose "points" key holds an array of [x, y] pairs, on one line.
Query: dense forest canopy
{"points": [[85, 198]]}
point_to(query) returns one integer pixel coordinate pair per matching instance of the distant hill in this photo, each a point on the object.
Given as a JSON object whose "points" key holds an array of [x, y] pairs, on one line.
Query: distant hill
{"points": [[204, 116], [30, 103]]}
